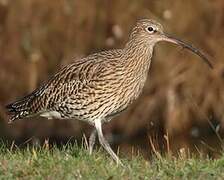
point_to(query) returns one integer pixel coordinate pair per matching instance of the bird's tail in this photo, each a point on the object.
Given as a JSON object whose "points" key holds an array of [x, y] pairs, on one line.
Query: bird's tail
{"points": [[21, 108]]}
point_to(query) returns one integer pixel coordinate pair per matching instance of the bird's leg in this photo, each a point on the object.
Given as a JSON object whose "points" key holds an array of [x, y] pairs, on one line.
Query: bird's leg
{"points": [[104, 143], [92, 140]]}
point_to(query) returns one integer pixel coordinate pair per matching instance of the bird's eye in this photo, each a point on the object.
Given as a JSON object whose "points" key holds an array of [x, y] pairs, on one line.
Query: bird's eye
{"points": [[150, 29]]}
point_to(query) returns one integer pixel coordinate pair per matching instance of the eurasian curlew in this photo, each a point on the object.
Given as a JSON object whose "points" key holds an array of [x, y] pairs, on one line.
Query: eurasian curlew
{"points": [[96, 88]]}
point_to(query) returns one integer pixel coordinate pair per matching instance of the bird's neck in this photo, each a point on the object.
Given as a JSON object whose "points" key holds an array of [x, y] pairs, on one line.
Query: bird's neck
{"points": [[136, 62], [138, 56]]}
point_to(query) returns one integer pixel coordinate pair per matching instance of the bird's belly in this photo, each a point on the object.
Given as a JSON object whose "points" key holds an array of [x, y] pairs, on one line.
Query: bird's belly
{"points": [[97, 104], [102, 106], [51, 114], [124, 98]]}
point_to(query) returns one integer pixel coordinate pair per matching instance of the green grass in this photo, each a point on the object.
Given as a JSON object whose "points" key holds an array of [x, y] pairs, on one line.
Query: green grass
{"points": [[74, 162]]}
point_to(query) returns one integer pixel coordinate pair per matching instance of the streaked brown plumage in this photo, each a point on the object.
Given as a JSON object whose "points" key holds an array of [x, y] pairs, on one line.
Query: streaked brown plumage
{"points": [[98, 87]]}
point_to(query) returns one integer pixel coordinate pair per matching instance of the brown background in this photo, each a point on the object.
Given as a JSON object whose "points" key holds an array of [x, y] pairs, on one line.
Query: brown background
{"points": [[182, 106]]}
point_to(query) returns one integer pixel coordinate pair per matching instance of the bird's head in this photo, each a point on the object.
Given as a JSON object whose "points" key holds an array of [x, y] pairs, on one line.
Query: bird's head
{"points": [[149, 32]]}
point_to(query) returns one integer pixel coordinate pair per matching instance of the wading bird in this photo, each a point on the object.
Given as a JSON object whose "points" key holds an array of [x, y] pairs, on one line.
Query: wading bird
{"points": [[98, 87]]}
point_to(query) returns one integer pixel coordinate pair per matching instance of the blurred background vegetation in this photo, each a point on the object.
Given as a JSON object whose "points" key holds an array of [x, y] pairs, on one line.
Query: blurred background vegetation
{"points": [[182, 106]]}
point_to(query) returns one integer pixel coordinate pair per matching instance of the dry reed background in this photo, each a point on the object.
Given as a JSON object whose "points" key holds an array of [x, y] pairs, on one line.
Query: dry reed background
{"points": [[182, 106]]}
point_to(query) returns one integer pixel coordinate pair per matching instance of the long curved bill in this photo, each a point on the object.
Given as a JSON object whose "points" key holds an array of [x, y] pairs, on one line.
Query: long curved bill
{"points": [[167, 37]]}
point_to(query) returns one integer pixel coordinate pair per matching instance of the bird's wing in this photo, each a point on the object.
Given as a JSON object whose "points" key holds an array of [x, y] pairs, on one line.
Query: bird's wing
{"points": [[65, 83]]}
